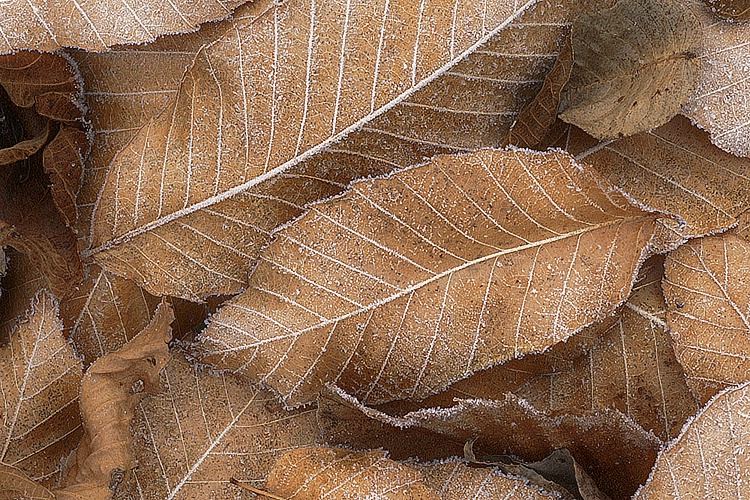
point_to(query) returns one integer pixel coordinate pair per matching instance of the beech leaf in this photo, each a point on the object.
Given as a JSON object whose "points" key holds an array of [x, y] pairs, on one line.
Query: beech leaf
{"points": [[707, 289], [222, 165], [636, 64], [431, 274], [709, 459], [737, 10]]}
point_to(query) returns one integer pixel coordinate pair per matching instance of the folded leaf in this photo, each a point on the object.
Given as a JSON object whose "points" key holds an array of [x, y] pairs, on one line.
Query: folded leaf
{"points": [[707, 289], [429, 275], [41, 25], [636, 64], [39, 377], [63, 160], [288, 107], [709, 459]]}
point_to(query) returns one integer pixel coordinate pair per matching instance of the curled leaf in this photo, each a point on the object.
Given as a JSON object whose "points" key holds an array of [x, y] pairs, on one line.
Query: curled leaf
{"points": [[737, 10], [636, 64]]}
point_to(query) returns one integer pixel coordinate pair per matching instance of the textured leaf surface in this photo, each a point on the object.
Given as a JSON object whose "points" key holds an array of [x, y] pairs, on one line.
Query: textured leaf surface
{"points": [[222, 166], [710, 458], [720, 103], [203, 429], [39, 377], [635, 66], [431, 274], [48, 26], [738, 10], [707, 288], [15, 484]]}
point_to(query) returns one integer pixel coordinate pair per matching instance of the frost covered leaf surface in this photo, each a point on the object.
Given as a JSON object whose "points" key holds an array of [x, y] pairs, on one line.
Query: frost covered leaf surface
{"points": [[636, 64], [431, 274], [222, 165], [48, 26], [710, 459], [707, 288], [40, 378]]}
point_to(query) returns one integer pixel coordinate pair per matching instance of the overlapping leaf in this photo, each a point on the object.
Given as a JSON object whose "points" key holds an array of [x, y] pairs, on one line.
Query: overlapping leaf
{"points": [[707, 288], [432, 274], [41, 25], [223, 165], [710, 458], [40, 378]]}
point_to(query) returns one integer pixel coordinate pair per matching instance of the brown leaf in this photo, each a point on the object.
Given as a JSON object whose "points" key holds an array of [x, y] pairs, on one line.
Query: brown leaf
{"points": [[737, 10], [39, 377], [675, 168], [534, 122], [707, 289], [616, 452], [63, 160], [207, 225], [636, 64], [720, 103], [19, 285], [110, 391], [41, 25], [710, 458], [24, 149], [431, 274], [203, 429], [14, 484]]}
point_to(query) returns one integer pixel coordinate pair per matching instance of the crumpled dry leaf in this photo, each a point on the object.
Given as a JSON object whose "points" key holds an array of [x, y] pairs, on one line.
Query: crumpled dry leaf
{"points": [[206, 193], [710, 458], [636, 64], [203, 429], [110, 391], [39, 378], [23, 149], [737, 10], [720, 103], [616, 452], [431, 274], [533, 122], [707, 289], [48, 26]]}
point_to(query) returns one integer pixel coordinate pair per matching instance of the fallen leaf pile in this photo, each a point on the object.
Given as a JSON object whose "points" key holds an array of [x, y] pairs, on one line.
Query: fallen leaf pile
{"points": [[393, 249]]}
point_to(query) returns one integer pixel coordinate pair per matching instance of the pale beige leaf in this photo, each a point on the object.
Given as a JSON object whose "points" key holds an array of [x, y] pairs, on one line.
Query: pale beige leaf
{"points": [[110, 391], [738, 10], [710, 459], [203, 429], [48, 26], [720, 104], [39, 377], [288, 107], [675, 168], [636, 64], [14, 484], [707, 289], [431, 274]]}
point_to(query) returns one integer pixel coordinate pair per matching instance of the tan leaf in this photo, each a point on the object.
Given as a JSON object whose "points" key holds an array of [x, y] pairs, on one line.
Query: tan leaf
{"points": [[19, 285], [110, 391], [48, 26], [63, 160], [710, 458], [720, 103], [616, 452], [675, 168], [432, 274], [203, 429], [39, 377], [14, 484], [737, 10], [221, 166], [707, 289], [533, 122], [636, 64]]}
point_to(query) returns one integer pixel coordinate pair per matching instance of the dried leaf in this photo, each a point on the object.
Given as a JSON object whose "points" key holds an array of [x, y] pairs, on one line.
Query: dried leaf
{"points": [[534, 122], [636, 65], [110, 391], [737, 10], [14, 484], [675, 168], [432, 274], [710, 458], [41, 25], [19, 285], [24, 149], [209, 191], [63, 160], [203, 429], [707, 289], [39, 377]]}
